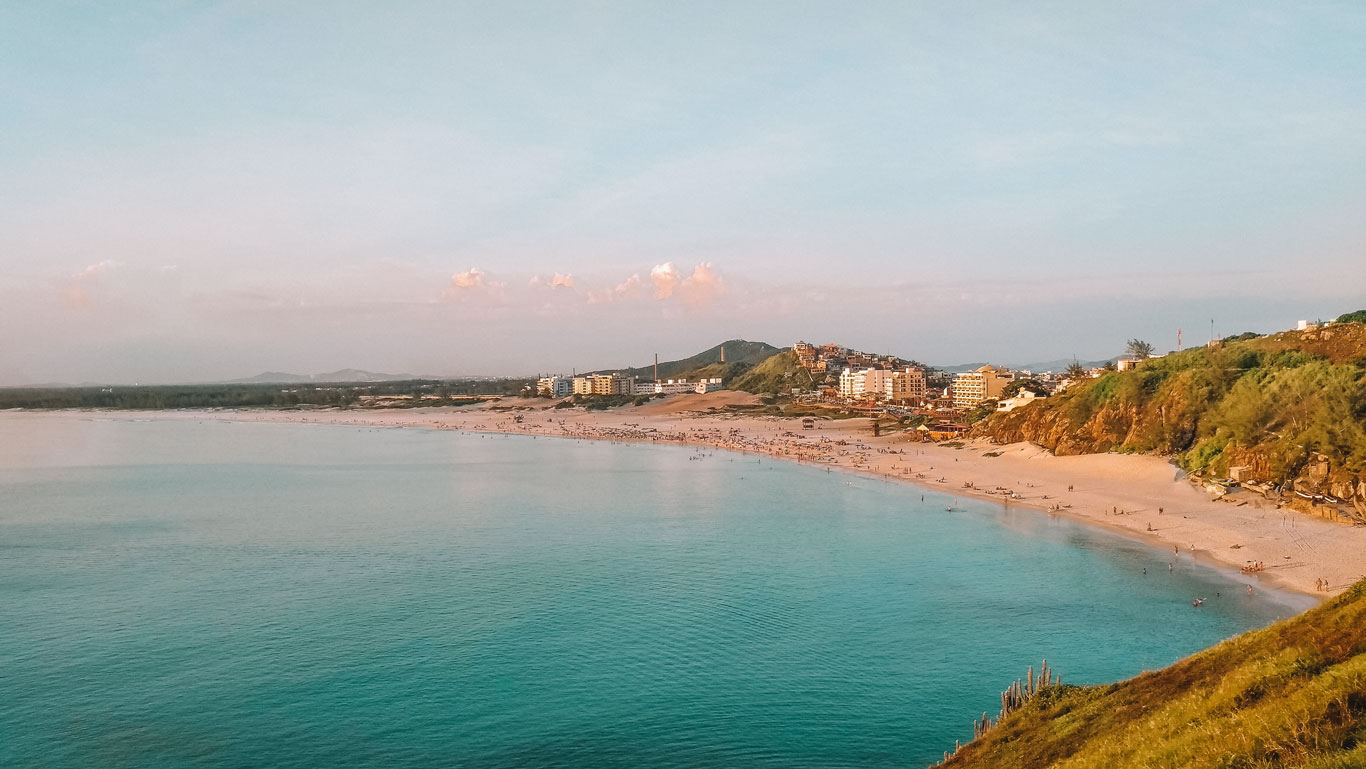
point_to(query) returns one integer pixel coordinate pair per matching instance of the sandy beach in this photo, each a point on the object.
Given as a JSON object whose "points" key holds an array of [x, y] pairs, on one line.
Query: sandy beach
{"points": [[1141, 496]]}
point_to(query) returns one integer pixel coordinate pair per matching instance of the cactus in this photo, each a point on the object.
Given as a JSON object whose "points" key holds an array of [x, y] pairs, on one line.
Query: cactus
{"points": [[1015, 696]]}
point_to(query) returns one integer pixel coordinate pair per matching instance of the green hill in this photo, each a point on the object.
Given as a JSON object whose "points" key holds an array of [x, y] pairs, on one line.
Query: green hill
{"points": [[740, 356], [1291, 695], [1290, 409], [777, 373]]}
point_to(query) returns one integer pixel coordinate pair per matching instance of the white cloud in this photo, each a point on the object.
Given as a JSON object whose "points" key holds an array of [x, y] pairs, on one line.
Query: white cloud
{"points": [[665, 279]]}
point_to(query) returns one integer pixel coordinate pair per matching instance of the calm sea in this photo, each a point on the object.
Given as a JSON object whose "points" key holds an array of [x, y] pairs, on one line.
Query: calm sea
{"points": [[210, 594]]}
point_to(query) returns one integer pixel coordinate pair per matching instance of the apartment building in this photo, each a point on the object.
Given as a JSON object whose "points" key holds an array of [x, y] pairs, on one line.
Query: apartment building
{"points": [[907, 386], [868, 383], [555, 386], [603, 384], [971, 388]]}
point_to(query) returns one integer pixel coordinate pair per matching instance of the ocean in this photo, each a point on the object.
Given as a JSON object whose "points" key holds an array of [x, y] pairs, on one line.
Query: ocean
{"points": [[200, 593]]}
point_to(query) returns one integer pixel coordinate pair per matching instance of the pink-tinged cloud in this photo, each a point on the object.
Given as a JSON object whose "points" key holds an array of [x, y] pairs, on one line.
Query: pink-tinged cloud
{"points": [[78, 291], [665, 278], [562, 281], [629, 289], [473, 282], [704, 285]]}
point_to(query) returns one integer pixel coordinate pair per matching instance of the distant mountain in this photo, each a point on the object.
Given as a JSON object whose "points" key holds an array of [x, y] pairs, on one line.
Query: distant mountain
{"points": [[1060, 364], [739, 354], [341, 375]]}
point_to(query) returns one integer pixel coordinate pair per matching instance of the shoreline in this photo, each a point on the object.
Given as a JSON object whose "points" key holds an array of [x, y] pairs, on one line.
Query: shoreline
{"points": [[1138, 497]]}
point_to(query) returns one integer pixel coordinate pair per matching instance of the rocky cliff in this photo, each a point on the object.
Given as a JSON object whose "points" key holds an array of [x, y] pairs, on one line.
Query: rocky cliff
{"points": [[1285, 414]]}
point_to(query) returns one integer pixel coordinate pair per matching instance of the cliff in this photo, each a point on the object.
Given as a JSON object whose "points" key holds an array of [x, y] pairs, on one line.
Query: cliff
{"points": [[1284, 413]]}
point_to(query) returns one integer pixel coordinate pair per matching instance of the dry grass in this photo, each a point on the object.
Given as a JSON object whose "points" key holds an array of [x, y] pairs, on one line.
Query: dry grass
{"points": [[1291, 695]]}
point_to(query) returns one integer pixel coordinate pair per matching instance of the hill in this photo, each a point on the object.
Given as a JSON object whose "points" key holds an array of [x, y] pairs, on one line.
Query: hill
{"points": [[777, 373], [1291, 695], [346, 375], [740, 356], [1288, 409]]}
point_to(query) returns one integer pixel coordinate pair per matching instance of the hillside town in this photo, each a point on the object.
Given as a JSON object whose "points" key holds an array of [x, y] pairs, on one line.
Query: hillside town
{"points": [[943, 403]]}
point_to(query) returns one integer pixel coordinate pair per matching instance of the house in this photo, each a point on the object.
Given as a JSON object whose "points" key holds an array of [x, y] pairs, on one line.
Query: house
{"points": [[1023, 398]]}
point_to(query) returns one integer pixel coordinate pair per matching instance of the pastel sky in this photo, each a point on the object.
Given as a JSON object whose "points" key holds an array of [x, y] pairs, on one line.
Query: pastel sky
{"points": [[199, 191]]}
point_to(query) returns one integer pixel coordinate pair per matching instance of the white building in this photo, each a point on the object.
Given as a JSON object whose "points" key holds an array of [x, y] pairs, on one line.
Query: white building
{"points": [[555, 386], [869, 383], [674, 387], [709, 385], [1023, 398]]}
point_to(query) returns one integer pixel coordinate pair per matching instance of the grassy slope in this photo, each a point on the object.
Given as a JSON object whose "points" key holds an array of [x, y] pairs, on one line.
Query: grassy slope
{"points": [[1291, 695], [777, 373], [1272, 400], [740, 354]]}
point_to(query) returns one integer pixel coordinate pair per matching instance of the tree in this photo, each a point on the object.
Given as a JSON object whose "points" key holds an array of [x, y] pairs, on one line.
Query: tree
{"points": [[1032, 385], [1109, 365], [1139, 349], [1353, 317], [1077, 371]]}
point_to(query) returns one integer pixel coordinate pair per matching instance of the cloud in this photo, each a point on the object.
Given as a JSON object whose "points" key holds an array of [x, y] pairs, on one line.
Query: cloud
{"points": [[79, 292], [665, 279], [473, 282], [631, 288], [558, 280], [99, 268], [704, 285]]}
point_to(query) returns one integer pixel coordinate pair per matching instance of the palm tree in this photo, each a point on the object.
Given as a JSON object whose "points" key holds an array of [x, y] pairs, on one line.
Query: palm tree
{"points": [[1139, 349]]}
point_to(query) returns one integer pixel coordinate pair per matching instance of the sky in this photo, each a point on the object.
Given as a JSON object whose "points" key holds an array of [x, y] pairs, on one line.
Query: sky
{"points": [[198, 191]]}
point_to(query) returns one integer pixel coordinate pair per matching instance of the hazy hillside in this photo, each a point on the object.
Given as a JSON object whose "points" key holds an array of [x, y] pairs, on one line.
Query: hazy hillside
{"points": [[343, 375], [740, 355], [1292, 695], [1290, 406]]}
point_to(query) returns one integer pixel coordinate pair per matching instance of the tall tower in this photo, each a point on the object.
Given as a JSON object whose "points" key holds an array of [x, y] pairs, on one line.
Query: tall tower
{"points": [[723, 353], [656, 367]]}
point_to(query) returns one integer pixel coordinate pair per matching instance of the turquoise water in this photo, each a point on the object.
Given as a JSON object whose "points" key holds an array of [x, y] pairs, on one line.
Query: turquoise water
{"points": [[184, 594]]}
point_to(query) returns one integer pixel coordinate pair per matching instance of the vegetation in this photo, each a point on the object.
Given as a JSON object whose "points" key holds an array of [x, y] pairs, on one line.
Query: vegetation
{"points": [[1358, 316], [1032, 385], [740, 355], [980, 411], [604, 402], [385, 394], [1140, 349], [1291, 695], [778, 373], [1270, 402]]}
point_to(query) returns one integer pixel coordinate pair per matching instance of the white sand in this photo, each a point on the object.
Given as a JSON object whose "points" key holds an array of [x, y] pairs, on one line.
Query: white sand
{"points": [[1120, 491]]}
